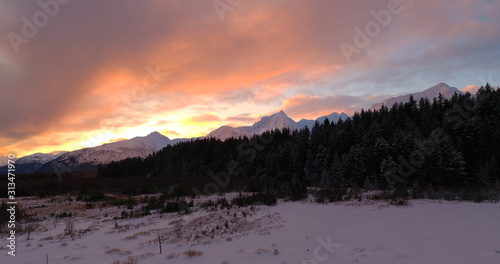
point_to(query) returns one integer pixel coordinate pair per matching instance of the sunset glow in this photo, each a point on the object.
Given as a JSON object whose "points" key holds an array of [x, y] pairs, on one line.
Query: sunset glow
{"points": [[88, 77]]}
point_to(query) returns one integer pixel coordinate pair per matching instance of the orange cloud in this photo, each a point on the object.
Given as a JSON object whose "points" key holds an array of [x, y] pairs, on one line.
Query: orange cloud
{"points": [[244, 119], [205, 118], [471, 89], [171, 133]]}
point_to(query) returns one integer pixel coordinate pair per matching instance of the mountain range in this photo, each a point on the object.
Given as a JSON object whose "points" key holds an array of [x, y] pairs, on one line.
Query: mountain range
{"points": [[89, 158], [31, 163], [279, 120]]}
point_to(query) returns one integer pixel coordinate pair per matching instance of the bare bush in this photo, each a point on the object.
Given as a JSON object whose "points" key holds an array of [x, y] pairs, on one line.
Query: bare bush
{"points": [[193, 253], [130, 260], [173, 255], [70, 227]]}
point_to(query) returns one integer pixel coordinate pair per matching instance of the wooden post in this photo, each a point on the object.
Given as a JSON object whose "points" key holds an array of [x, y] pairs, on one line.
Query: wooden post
{"points": [[47, 258], [159, 240]]}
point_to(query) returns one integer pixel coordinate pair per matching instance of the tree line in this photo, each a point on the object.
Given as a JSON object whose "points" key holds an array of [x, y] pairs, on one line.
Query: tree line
{"points": [[444, 142]]}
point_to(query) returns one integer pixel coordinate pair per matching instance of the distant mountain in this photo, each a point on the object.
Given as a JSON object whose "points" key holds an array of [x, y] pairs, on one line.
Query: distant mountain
{"points": [[89, 158], [331, 117], [434, 91], [225, 132], [278, 120], [30, 163], [3, 160], [36, 158]]}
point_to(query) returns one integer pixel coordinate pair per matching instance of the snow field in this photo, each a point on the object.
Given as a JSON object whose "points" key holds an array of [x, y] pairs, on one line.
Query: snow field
{"points": [[290, 232]]}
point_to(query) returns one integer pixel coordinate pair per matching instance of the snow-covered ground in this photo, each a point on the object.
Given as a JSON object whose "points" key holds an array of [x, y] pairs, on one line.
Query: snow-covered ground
{"points": [[290, 232]]}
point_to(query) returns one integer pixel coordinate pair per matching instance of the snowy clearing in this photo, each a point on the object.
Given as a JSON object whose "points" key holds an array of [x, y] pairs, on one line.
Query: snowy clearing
{"points": [[372, 232]]}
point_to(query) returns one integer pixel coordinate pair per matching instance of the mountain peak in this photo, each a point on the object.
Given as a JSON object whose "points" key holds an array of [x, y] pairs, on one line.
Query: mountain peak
{"points": [[156, 134], [442, 88], [225, 132], [158, 140], [441, 84], [281, 114]]}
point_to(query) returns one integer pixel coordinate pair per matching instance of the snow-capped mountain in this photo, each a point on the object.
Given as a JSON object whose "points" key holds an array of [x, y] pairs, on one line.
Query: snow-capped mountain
{"points": [[225, 132], [276, 121], [331, 117], [41, 158], [279, 120], [3, 160], [31, 163], [434, 91], [89, 158]]}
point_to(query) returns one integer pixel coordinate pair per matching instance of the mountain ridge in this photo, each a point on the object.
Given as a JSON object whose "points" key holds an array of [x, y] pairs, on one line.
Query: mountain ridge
{"points": [[430, 93], [89, 158], [31, 163], [277, 120]]}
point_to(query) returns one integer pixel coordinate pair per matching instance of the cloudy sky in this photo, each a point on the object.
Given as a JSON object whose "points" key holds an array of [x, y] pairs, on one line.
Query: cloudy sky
{"points": [[80, 73]]}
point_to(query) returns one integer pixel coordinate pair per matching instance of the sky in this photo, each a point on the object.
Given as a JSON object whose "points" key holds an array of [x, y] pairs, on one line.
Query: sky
{"points": [[77, 74]]}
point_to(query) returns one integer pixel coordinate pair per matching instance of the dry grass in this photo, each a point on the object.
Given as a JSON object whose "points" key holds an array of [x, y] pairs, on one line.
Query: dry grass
{"points": [[129, 260], [117, 251], [134, 236], [146, 255], [193, 253], [173, 255]]}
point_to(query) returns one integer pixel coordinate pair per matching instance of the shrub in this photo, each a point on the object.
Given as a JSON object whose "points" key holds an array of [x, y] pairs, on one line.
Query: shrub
{"points": [[70, 227], [130, 260], [267, 198], [94, 196], [329, 195], [207, 204], [193, 253]]}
